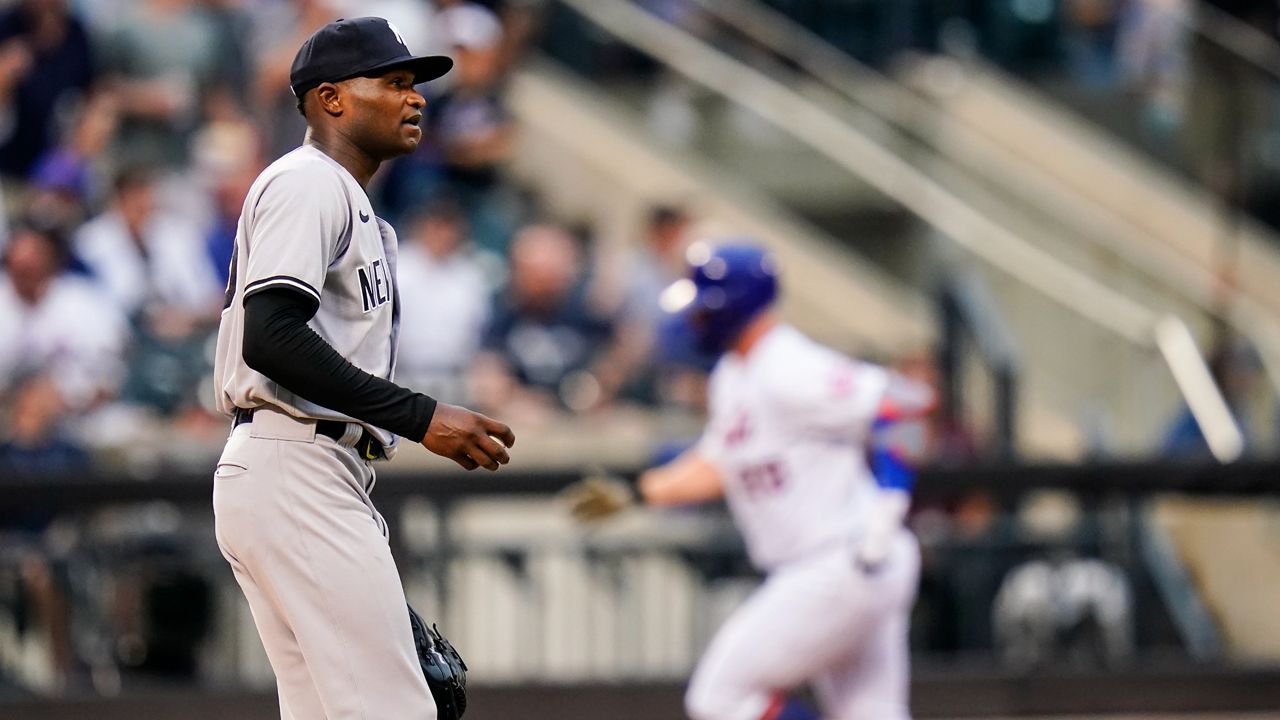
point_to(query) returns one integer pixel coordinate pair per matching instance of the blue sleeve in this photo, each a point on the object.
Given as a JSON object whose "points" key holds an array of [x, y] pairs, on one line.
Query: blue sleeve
{"points": [[887, 458], [891, 470]]}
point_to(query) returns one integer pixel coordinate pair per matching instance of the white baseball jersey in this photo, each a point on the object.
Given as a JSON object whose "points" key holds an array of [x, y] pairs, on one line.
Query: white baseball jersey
{"points": [[787, 429], [308, 225]]}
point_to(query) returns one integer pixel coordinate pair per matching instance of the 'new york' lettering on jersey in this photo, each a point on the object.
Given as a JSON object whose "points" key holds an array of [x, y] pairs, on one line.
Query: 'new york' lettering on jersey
{"points": [[304, 227], [375, 286], [786, 430]]}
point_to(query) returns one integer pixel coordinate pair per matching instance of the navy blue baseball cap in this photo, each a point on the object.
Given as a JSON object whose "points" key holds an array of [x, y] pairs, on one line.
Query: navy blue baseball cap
{"points": [[347, 48]]}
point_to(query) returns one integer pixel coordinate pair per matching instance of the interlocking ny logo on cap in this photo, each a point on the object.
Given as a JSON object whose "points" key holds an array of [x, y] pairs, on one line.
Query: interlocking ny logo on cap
{"points": [[396, 31]]}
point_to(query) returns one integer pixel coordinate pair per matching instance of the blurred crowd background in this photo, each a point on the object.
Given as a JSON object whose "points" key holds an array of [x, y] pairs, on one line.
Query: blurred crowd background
{"points": [[1125, 314]]}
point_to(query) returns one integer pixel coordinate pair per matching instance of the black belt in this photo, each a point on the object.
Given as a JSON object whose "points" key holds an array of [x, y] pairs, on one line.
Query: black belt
{"points": [[368, 446]]}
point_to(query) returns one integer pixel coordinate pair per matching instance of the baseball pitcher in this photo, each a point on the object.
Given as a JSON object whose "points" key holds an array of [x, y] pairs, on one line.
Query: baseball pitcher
{"points": [[305, 360]]}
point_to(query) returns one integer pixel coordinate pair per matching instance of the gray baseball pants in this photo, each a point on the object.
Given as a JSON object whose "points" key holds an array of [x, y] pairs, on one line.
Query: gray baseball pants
{"points": [[294, 519]]}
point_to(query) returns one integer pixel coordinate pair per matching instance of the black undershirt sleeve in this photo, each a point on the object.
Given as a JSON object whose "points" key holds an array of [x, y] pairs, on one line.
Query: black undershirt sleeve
{"points": [[279, 344]]}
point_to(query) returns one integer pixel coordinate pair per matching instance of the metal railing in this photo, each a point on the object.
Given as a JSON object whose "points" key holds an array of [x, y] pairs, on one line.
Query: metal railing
{"points": [[967, 309], [531, 597]]}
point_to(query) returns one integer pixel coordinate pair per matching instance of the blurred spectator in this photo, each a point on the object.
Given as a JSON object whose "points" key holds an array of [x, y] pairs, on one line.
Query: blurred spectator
{"points": [[35, 442], [654, 356], [228, 158], [62, 181], [61, 346], [445, 288], [545, 346], [60, 355], [1153, 63], [231, 27], [414, 20], [163, 58], [279, 28], [520, 24], [657, 263], [59, 189], [1089, 30], [155, 267], [39, 597], [469, 125], [469, 29], [150, 261], [45, 66]]}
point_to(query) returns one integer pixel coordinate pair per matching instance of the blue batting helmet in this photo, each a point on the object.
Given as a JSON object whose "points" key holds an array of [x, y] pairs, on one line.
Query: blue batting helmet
{"points": [[731, 284]]}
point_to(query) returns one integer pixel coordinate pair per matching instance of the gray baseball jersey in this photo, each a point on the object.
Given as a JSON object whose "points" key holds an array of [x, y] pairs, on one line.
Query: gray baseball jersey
{"points": [[308, 225]]}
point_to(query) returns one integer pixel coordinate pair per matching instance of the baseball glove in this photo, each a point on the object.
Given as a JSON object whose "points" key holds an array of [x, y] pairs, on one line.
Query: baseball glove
{"points": [[598, 497], [442, 665]]}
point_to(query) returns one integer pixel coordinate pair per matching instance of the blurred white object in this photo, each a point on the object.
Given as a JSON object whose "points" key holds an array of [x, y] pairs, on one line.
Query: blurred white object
{"points": [[1079, 611]]}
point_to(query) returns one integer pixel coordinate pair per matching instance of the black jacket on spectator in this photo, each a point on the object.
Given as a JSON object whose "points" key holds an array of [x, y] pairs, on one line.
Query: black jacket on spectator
{"points": [[543, 349]]}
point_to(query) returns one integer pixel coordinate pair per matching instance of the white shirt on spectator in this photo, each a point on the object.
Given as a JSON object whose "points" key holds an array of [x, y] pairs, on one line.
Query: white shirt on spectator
{"points": [[177, 271], [412, 19], [74, 335], [444, 307], [467, 25]]}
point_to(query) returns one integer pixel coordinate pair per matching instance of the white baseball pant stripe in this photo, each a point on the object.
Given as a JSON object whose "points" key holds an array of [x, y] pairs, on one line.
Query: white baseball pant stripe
{"points": [[294, 519], [823, 621]]}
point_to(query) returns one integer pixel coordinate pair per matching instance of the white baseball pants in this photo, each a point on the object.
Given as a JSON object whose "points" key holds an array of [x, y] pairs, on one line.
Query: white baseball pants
{"points": [[821, 621], [294, 519]]}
